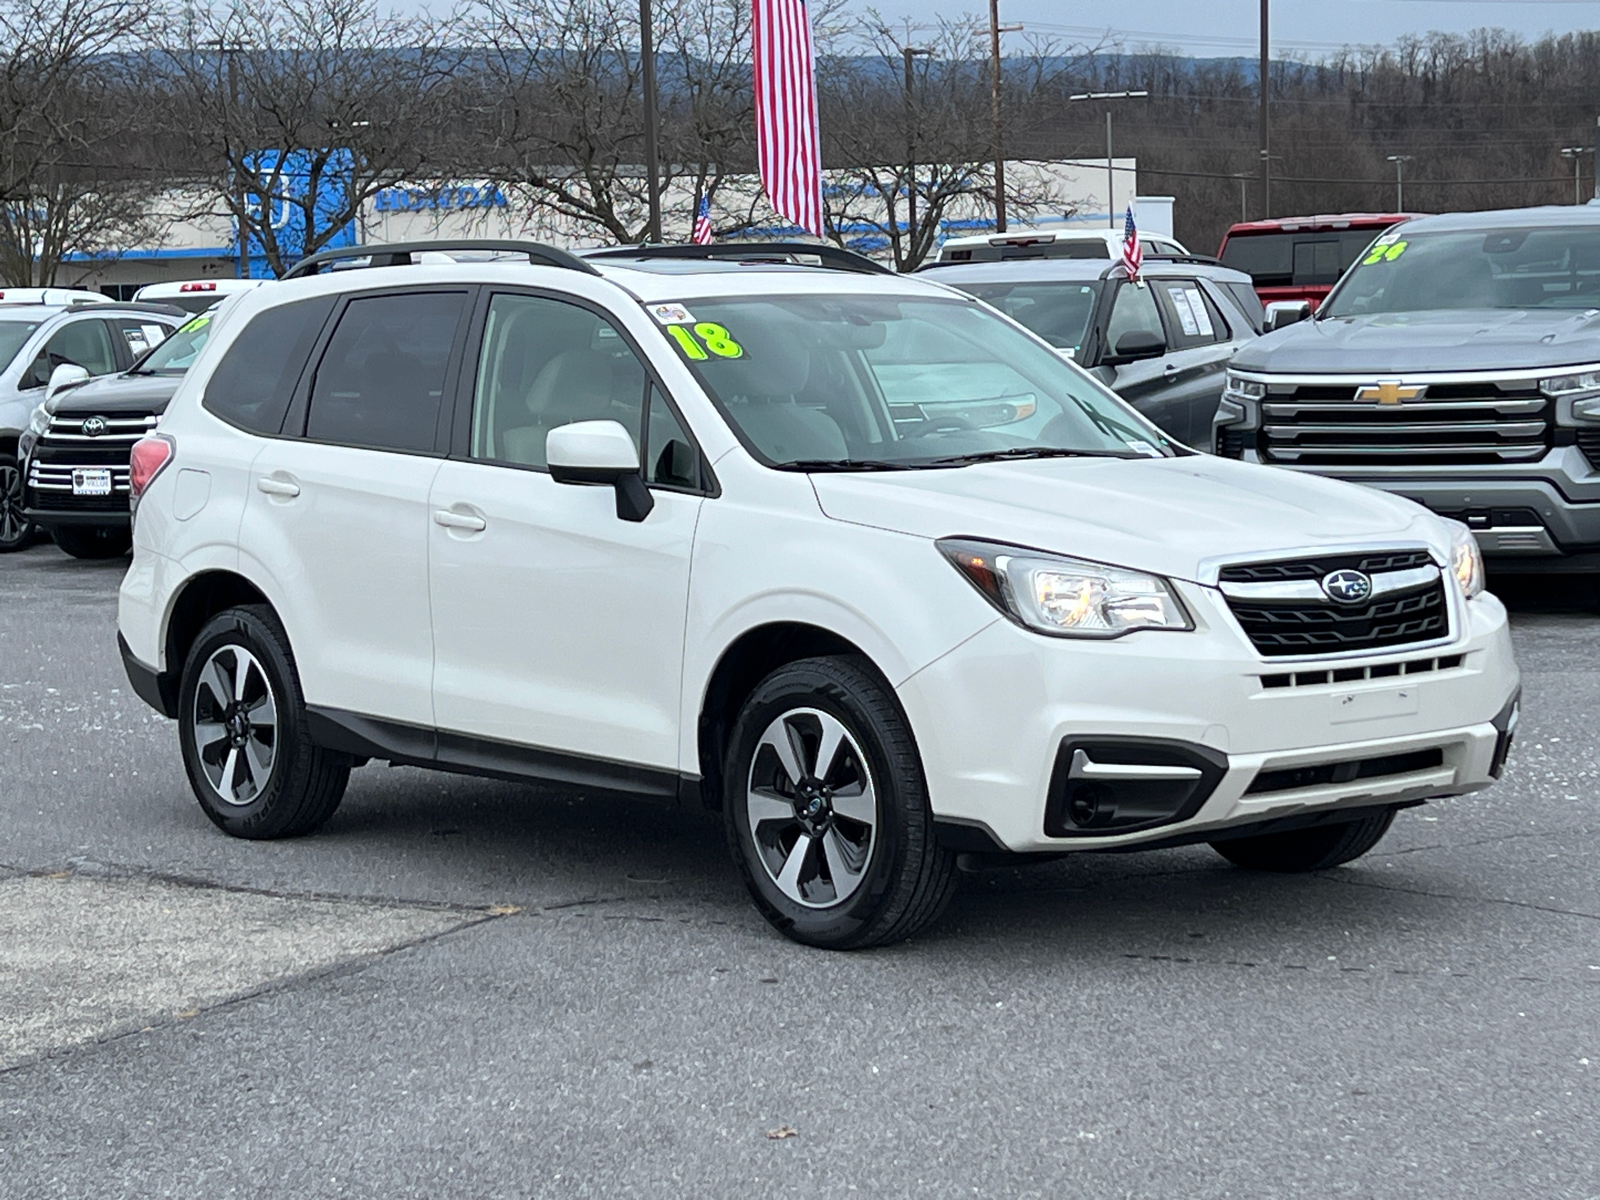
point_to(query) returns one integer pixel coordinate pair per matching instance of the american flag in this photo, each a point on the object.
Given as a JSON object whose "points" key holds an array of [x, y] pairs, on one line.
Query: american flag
{"points": [[789, 150], [1132, 252], [702, 223]]}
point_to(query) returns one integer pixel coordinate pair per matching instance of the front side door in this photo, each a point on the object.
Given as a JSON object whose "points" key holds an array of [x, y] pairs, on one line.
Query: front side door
{"points": [[558, 626], [1199, 347], [337, 512], [1145, 383]]}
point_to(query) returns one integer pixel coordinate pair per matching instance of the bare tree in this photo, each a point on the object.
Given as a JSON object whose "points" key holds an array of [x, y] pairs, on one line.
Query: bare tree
{"points": [[298, 111]]}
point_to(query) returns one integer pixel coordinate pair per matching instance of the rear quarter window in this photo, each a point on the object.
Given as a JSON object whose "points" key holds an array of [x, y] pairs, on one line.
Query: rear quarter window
{"points": [[253, 384]]}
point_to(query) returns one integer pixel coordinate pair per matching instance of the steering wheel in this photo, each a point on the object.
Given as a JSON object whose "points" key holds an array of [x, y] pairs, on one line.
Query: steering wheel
{"points": [[949, 423]]}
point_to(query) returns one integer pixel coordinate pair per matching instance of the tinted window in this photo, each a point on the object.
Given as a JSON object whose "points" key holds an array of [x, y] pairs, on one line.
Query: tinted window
{"points": [[85, 344], [1249, 303], [1298, 259], [673, 460], [1191, 316], [1134, 311], [12, 336], [381, 381], [1058, 312], [546, 363], [255, 380], [177, 354]]}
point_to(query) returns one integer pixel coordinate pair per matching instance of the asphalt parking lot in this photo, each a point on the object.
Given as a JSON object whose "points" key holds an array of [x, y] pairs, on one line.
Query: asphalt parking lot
{"points": [[469, 988]]}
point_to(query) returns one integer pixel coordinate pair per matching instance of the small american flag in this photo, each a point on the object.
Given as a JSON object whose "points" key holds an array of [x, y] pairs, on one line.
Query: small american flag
{"points": [[788, 147], [702, 223], [1132, 252]]}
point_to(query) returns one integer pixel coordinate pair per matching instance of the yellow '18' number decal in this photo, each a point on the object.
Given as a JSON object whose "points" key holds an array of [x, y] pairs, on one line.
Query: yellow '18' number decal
{"points": [[714, 336], [1380, 254]]}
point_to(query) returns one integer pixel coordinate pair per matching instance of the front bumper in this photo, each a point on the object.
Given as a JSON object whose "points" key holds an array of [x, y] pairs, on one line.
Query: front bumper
{"points": [[993, 716]]}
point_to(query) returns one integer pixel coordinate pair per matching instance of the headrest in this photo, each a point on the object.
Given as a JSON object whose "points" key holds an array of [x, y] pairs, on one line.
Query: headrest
{"points": [[573, 382], [775, 362]]}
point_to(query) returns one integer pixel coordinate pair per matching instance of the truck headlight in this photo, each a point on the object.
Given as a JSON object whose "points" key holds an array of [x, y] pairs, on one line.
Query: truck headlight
{"points": [[1466, 563], [1066, 597], [1576, 383], [1240, 388]]}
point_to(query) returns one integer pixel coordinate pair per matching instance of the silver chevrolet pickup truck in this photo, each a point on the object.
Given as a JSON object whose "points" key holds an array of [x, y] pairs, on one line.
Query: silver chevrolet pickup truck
{"points": [[1456, 363]]}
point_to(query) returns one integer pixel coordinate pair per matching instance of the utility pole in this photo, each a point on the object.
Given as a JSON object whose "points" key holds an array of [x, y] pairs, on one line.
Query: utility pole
{"points": [[1111, 171], [1576, 153], [229, 51], [995, 30], [1399, 161], [911, 52], [652, 158], [1244, 178], [1262, 80]]}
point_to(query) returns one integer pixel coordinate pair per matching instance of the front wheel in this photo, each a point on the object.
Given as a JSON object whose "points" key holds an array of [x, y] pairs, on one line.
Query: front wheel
{"points": [[93, 541], [16, 531], [1314, 849], [242, 728], [827, 810]]}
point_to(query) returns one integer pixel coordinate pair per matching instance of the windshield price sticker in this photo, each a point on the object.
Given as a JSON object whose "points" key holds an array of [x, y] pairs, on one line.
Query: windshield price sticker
{"points": [[671, 314], [1381, 254], [704, 339], [1144, 448], [197, 323]]}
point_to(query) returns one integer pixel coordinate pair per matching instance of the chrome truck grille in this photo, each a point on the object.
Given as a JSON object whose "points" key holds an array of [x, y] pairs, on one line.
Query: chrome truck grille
{"points": [[1442, 423]]}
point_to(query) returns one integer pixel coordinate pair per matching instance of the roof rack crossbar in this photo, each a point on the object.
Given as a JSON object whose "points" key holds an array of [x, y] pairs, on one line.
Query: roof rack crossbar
{"points": [[834, 258], [399, 254]]}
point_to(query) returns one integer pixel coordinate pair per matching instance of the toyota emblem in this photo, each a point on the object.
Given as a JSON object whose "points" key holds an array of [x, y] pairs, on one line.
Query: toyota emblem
{"points": [[94, 427], [1347, 587]]}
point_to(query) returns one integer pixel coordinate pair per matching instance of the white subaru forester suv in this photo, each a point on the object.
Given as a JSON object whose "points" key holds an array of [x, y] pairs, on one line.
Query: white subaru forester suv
{"points": [[847, 555]]}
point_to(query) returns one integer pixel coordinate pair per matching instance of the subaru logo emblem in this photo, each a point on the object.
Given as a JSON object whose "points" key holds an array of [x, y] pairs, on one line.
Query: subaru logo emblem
{"points": [[94, 427], [1347, 587]]}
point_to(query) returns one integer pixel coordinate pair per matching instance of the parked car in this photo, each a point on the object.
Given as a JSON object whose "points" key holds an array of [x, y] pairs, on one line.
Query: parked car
{"points": [[75, 451], [1162, 345], [194, 295], [1457, 364], [1055, 243], [37, 340], [1298, 259], [50, 295], [658, 522]]}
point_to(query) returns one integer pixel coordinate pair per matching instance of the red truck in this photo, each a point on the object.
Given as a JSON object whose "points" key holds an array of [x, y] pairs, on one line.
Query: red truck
{"points": [[1301, 258]]}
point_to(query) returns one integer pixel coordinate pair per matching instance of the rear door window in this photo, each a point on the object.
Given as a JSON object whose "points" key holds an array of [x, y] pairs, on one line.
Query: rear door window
{"points": [[1192, 317], [380, 383], [141, 335], [255, 381]]}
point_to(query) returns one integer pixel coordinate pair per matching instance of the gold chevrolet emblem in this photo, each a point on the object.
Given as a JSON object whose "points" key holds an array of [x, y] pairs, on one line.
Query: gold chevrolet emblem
{"points": [[1388, 391]]}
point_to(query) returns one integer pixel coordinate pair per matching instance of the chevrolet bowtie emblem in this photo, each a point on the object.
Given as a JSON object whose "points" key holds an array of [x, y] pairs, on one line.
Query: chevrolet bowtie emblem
{"points": [[1388, 391]]}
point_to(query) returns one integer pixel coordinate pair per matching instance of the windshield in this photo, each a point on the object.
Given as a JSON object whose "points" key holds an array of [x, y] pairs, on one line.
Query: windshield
{"points": [[1299, 259], [1503, 268], [1058, 312], [13, 335], [177, 354], [878, 382]]}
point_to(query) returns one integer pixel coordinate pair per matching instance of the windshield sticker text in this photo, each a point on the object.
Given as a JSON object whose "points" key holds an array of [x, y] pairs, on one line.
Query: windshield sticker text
{"points": [[1381, 253], [711, 337]]}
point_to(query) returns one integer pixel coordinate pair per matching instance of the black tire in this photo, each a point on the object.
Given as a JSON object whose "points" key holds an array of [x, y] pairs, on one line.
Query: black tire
{"points": [[16, 531], [93, 541], [1314, 849], [303, 783], [905, 878]]}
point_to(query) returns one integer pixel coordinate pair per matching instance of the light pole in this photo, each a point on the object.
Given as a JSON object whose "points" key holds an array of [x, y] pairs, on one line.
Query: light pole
{"points": [[1576, 153], [1244, 178], [652, 161], [1111, 177], [995, 30], [1263, 78], [910, 53], [229, 50], [1399, 161]]}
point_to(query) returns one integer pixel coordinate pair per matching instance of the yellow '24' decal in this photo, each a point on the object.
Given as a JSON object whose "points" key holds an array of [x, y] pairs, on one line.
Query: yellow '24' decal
{"points": [[1380, 254]]}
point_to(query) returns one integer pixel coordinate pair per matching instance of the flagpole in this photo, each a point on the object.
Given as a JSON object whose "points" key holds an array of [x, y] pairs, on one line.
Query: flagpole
{"points": [[652, 157]]}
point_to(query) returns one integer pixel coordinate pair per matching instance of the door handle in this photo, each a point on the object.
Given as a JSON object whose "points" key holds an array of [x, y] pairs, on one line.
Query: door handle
{"points": [[459, 520], [277, 487]]}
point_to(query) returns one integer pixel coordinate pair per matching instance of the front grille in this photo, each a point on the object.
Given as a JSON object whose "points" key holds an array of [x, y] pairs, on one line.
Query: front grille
{"points": [[123, 429], [1230, 442], [1417, 666], [1280, 605], [1448, 424], [50, 487]]}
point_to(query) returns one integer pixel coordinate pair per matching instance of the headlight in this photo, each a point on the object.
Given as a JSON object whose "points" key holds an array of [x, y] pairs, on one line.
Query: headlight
{"points": [[1239, 388], [1574, 384], [1466, 563], [1066, 597]]}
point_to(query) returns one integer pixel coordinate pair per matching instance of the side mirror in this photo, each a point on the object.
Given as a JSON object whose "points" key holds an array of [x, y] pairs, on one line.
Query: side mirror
{"points": [[1139, 343], [600, 452], [1283, 313], [67, 375]]}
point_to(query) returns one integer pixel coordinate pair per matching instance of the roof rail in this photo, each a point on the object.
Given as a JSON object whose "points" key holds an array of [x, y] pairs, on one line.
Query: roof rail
{"points": [[1203, 260], [833, 258], [399, 254]]}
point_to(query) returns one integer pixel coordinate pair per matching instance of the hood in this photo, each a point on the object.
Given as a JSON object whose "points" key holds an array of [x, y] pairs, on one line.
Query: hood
{"points": [[1387, 343], [120, 393], [1166, 516]]}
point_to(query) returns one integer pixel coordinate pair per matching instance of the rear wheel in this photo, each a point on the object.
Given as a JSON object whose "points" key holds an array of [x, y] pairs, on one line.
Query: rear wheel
{"points": [[827, 810], [16, 531], [1314, 849], [242, 727], [93, 541]]}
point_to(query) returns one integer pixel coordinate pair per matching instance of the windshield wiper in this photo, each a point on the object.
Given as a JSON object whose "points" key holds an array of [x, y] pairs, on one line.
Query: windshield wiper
{"points": [[1020, 452], [850, 464]]}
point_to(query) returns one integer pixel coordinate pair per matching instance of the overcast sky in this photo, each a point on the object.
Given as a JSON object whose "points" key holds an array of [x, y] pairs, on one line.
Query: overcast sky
{"points": [[1231, 27]]}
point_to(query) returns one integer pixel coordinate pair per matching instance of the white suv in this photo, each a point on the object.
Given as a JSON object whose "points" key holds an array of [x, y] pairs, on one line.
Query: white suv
{"points": [[847, 555]]}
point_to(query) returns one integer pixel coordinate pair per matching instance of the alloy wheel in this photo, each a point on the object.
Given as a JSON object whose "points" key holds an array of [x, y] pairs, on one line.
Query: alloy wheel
{"points": [[235, 725], [812, 806], [13, 525]]}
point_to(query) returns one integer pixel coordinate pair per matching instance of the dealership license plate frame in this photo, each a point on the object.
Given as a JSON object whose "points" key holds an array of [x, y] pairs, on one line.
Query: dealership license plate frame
{"points": [[91, 481]]}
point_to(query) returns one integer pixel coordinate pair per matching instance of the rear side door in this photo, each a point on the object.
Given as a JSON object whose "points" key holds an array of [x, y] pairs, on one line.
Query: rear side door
{"points": [[337, 512], [1201, 341]]}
